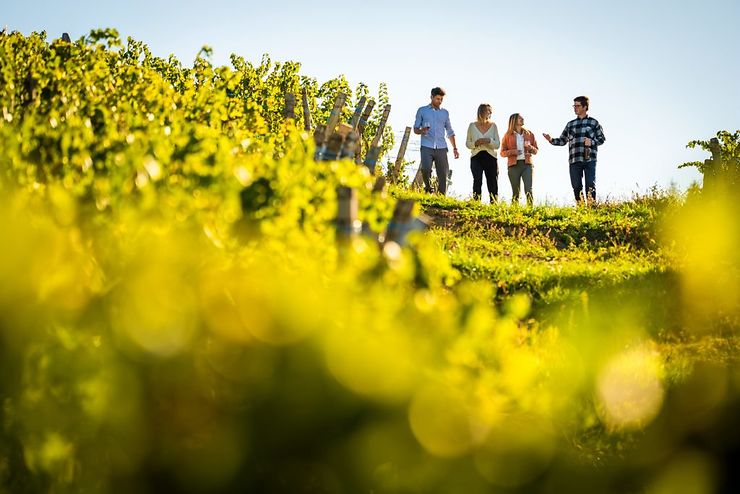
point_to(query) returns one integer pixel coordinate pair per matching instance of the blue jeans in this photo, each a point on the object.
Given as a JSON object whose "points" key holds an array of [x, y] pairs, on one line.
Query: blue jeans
{"points": [[579, 171]]}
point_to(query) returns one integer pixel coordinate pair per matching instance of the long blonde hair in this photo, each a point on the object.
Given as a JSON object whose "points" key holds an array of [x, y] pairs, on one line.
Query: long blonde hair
{"points": [[482, 111], [512, 123]]}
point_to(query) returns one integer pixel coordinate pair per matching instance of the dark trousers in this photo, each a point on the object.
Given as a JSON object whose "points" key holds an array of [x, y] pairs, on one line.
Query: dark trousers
{"points": [[583, 170], [439, 157], [484, 163]]}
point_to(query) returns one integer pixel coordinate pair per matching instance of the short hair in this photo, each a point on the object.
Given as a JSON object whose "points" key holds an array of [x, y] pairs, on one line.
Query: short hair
{"points": [[437, 91], [583, 100]]}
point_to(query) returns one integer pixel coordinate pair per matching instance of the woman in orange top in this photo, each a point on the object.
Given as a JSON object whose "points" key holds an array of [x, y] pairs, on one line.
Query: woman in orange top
{"points": [[518, 146]]}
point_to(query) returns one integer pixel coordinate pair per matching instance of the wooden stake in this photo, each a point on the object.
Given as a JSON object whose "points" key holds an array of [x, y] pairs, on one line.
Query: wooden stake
{"points": [[401, 216], [371, 158], [306, 111], [347, 223], [289, 111], [401, 152], [361, 124], [358, 112], [379, 185], [318, 139], [712, 166], [403, 223], [349, 148], [333, 146], [381, 126], [344, 129], [335, 114], [365, 116], [418, 182]]}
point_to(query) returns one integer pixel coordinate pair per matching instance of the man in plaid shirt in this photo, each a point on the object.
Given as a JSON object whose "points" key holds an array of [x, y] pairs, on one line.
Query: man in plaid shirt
{"points": [[583, 135]]}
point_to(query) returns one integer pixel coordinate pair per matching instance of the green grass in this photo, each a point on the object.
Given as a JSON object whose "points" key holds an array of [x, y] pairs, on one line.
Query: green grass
{"points": [[552, 253], [619, 251]]}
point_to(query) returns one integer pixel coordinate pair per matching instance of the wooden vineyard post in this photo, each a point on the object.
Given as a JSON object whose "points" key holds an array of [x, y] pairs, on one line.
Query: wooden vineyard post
{"points": [[373, 152], [342, 143], [358, 112], [289, 111], [404, 223], [371, 158], [318, 139], [418, 182], [335, 114], [728, 168], [379, 185], [401, 216], [306, 111], [401, 152], [374, 149], [361, 124], [348, 226], [381, 126], [351, 141], [333, 147], [712, 167]]}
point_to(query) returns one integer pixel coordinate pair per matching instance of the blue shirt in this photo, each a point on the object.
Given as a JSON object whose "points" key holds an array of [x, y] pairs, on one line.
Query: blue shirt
{"points": [[438, 121]]}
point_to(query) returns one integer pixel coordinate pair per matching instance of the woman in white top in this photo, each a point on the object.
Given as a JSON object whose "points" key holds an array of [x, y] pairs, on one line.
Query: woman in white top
{"points": [[519, 146], [483, 141]]}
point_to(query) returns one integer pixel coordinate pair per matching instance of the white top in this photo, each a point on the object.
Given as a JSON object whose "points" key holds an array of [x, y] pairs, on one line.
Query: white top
{"points": [[474, 134], [519, 145]]}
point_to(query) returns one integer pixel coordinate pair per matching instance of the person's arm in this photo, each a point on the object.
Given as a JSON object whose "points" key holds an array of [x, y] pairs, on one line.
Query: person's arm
{"points": [[469, 143], [417, 124], [454, 147], [559, 141], [534, 148], [451, 136], [599, 137], [505, 147], [496, 142]]}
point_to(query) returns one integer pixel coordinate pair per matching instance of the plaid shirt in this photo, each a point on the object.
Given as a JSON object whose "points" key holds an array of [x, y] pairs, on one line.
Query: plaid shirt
{"points": [[575, 132]]}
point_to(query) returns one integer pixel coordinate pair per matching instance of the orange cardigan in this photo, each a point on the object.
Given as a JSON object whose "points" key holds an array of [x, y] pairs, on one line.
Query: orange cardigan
{"points": [[509, 151]]}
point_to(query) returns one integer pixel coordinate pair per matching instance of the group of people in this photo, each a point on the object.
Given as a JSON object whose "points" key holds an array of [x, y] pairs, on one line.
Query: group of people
{"points": [[583, 135]]}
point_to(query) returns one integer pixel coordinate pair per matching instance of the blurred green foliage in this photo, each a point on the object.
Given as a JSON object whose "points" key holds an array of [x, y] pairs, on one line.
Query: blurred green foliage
{"points": [[726, 145], [176, 316]]}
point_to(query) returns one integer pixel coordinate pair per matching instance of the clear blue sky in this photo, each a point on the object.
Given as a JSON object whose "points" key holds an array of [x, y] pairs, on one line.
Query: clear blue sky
{"points": [[659, 73]]}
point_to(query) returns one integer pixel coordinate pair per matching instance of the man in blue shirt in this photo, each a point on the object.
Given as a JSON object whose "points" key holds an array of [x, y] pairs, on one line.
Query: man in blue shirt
{"points": [[583, 135], [432, 122]]}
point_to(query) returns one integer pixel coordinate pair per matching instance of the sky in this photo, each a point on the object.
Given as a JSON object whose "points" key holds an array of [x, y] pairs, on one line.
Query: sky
{"points": [[658, 73]]}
